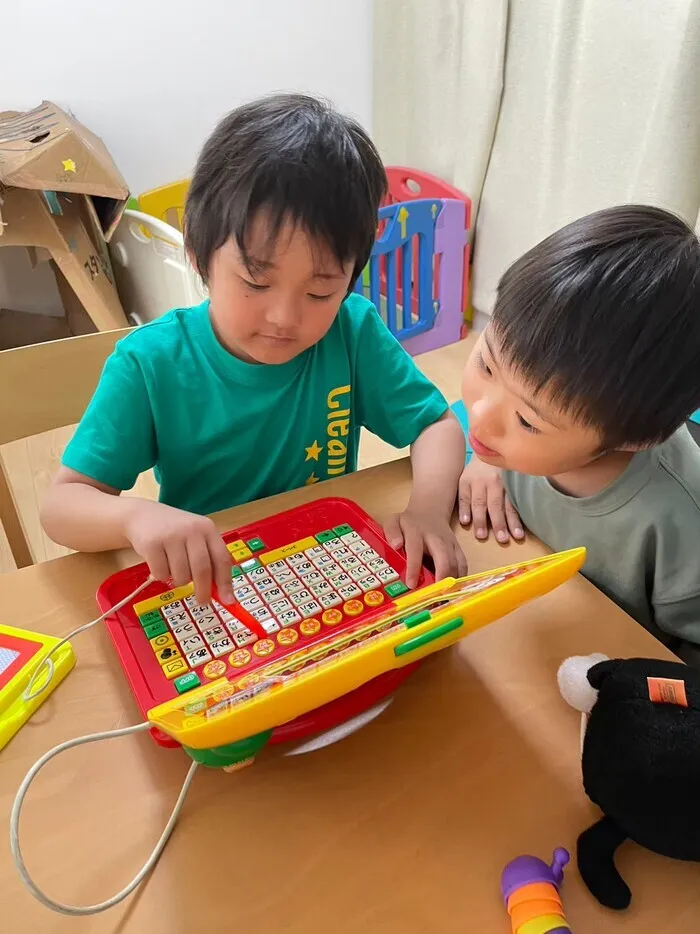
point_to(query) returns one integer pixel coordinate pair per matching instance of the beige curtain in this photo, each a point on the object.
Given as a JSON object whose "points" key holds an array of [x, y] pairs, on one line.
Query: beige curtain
{"points": [[600, 105]]}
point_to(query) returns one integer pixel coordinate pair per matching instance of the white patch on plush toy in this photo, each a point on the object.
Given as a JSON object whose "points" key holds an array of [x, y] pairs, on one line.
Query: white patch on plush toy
{"points": [[573, 681], [575, 688]]}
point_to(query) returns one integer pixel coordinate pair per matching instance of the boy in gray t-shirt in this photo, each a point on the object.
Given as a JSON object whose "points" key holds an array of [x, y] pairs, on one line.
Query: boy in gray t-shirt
{"points": [[577, 393]]}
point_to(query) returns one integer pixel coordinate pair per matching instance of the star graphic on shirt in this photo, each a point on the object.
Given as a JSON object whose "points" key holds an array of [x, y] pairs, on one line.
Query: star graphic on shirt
{"points": [[313, 452], [68, 165], [312, 479]]}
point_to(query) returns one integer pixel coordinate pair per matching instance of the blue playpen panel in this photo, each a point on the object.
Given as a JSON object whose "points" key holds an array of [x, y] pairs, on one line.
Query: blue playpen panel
{"points": [[399, 278]]}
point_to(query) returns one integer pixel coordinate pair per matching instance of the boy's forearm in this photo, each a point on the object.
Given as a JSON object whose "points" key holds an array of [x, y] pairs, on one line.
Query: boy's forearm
{"points": [[84, 518], [437, 459]]}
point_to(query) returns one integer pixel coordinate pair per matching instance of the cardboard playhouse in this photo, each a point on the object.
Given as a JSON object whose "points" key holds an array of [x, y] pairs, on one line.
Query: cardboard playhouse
{"points": [[61, 197]]}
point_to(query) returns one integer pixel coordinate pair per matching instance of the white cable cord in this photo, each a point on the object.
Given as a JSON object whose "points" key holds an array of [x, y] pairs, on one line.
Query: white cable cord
{"points": [[141, 874], [47, 666]]}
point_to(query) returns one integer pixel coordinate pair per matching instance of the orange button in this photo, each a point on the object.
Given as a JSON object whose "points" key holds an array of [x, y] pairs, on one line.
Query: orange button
{"points": [[214, 669], [309, 627], [354, 607], [264, 647], [239, 658], [374, 597], [287, 636], [332, 617]]}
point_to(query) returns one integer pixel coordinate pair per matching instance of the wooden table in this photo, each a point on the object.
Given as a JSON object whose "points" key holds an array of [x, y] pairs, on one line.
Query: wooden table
{"points": [[403, 827]]}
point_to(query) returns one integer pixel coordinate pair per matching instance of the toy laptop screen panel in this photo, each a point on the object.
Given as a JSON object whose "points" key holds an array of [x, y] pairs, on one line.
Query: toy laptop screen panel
{"points": [[297, 576]]}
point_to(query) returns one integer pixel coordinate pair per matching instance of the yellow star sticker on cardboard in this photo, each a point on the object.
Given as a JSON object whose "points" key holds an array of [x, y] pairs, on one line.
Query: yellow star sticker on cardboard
{"points": [[312, 479], [313, 452], [68, 165]]}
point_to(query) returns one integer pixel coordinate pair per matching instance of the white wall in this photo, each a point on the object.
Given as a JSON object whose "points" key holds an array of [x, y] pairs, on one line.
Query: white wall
{"points": [[152, 77]]}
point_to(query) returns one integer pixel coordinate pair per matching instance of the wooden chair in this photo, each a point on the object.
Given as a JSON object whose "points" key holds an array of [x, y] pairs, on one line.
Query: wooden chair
{"points": [[42, 387]]}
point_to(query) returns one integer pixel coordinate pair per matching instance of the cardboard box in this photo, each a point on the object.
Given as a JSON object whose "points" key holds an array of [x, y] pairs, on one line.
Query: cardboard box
{"points": [[61, 192]]}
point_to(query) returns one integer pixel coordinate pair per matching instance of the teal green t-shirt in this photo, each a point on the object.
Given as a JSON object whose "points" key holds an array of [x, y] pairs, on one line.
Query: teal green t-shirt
{"points": [[220, 432]]}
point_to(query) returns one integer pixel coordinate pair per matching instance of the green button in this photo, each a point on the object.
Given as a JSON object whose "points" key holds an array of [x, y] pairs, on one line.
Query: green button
{"points": [[325, 536], [429, 636], [250, 564], [151, 617], [256, 544], [343, 529], [396, 589], [155, 629], [417, 619], [186, 682], [236, 571]]}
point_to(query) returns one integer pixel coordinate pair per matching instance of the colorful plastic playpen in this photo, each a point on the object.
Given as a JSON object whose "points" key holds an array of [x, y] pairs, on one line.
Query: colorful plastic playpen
{"points": [[417, 276]]}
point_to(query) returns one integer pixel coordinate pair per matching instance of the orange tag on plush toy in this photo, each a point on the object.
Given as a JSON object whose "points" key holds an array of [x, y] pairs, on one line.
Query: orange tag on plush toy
{"points": [[667, 691]]}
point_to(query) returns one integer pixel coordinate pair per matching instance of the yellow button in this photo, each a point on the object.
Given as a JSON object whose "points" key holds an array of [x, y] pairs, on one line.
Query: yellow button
{"points": [[239, 658], [155, 603], [374, 598], [160, 642], [264, 647], [235, 546], [178, 666], [287, 636], [309, 627], [279, 553], [354, 607], [214, 669], [241, 554], [332, 617], [167, 654]]}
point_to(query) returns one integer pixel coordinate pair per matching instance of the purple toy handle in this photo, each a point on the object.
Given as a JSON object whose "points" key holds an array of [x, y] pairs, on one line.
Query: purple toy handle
{"points": [[526, 870]]}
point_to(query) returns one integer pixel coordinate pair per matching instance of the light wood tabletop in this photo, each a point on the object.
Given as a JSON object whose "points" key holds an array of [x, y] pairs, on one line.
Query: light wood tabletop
{"points": [[403, 827]]}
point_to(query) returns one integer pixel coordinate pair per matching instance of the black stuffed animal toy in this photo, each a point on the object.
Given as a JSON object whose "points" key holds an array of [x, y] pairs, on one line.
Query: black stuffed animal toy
{"points": [[640, 759]]}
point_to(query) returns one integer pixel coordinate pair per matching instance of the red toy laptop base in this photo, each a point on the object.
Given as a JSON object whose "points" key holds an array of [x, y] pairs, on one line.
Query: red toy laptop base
{"points": [[296, 575]]}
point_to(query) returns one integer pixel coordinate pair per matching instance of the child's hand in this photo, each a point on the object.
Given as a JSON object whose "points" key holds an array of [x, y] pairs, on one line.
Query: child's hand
{"points": [[422, 533], [180, 546], [482, 497]]}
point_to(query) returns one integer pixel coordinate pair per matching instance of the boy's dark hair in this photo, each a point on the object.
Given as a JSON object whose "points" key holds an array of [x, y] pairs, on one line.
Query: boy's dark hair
{"points": [[605, 315], [300, 161]]}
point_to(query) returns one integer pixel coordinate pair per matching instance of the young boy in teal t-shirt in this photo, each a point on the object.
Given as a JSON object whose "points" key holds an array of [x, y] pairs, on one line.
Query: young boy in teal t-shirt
{"points": [[264, 387]]}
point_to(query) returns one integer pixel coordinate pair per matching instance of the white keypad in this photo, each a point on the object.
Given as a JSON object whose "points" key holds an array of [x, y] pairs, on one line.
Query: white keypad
{"points": [[261, 614], [308, 609], [265, 584], [286, 574], [333, 570], [320, 588], [294, 586], [199, 611], [184, 631], [191, 643], [198, 657], [256, 574], [253, 603], [349, 563], [277, 566], [177, 619], [327, 600], [243, 637], [302, 597], [333, 544], [349, 591], [356, 547], [315, 552], [342, 579], [305, 568], [280, 606], [214, 634], [234, 627], [190, 602], [288, 618], [207, 622], [222, 646], [360, 572], [350, 537], [323, 561], [170, 609], [270, 626], [295, 560], [243, 593], [275, 593], [369, 583], [387, 575]]}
